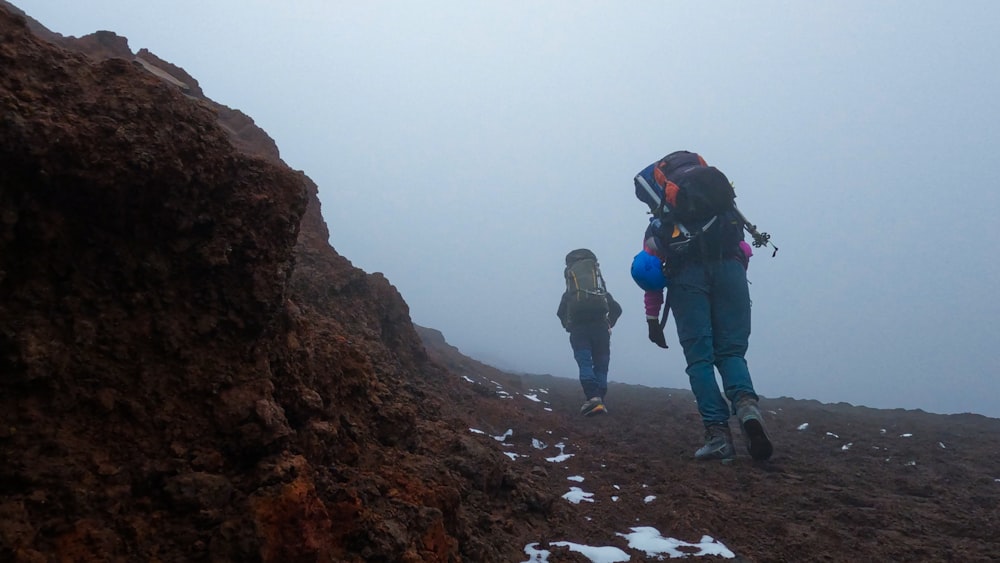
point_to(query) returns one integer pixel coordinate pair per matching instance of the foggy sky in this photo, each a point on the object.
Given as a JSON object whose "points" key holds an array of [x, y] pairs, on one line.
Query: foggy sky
{"points": [[463, 148]]}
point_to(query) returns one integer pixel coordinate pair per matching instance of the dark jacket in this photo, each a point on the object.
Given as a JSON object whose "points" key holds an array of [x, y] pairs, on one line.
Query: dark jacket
{"points": [[614, 311]]}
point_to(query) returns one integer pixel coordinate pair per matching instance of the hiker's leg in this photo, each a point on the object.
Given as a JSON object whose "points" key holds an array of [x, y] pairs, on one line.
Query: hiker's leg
{"points": [[731, 321], [580, 341], [689, 301], [601, 348]]}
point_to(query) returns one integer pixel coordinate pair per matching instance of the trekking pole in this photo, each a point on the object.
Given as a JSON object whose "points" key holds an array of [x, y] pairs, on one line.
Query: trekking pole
{"points": [[759, 239]]}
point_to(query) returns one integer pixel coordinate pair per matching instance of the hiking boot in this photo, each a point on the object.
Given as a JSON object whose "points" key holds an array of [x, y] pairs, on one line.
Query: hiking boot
{"points": [[752, 423], [718, 443], [593, 406]]}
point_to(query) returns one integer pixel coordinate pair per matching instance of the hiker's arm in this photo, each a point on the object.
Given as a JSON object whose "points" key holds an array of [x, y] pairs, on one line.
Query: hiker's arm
{"points": [[561, 312], [614, 311], [653, 300]]}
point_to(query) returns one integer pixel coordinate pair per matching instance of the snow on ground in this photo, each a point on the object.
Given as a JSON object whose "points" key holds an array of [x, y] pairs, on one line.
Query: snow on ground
{"points": [[563, 456], [576, 495], [641, 538], [645, 539]]}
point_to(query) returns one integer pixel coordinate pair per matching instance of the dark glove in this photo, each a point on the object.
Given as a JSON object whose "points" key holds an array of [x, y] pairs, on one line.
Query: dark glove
{"points": [[656, 333]]}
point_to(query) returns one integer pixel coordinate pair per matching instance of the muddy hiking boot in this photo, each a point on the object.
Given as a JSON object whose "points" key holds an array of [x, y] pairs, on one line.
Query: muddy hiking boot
{"points": [[754, 433], [718, 443], [593, 406]]}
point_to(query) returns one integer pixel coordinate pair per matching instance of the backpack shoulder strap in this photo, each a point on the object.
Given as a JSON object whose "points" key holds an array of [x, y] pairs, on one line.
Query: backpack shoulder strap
{"points": [[601, 286]]}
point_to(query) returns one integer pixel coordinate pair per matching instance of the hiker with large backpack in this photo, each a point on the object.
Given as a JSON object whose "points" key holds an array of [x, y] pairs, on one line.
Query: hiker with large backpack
{"points": [[695, 232], [588, 312]]}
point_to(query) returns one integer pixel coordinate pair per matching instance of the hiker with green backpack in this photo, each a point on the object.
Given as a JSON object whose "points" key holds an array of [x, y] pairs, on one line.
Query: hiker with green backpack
{"points": [[588, 312], [696, 233]]}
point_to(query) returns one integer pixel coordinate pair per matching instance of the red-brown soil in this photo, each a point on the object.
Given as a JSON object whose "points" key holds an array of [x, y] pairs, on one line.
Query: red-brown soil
{"points": [[190, 372], [853, 484]]}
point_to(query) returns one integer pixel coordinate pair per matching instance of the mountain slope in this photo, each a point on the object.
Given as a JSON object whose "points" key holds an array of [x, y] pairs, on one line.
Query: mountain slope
{"points": [[845, 484]]}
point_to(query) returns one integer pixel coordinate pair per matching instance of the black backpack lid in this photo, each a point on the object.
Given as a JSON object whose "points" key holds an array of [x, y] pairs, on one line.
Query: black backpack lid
{"points": [[579, 254]]}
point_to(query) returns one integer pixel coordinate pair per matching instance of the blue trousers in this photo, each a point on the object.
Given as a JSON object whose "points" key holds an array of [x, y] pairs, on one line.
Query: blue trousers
{"points": [[711, 305], [591, 344]]}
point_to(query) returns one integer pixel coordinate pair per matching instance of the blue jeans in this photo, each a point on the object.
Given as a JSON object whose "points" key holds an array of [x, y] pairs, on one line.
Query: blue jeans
{"points": [[591, 344], [711, 305]]}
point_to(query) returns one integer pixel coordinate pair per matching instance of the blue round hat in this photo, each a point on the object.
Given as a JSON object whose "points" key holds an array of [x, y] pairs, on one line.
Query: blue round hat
{"points": [[647, 271]]}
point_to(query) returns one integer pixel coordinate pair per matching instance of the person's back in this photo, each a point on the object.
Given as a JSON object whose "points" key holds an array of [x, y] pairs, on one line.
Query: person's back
{"points": [[588, 312]]}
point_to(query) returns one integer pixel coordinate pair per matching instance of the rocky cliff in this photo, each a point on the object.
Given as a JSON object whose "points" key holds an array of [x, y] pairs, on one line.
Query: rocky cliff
{"points": [[188, 370]]}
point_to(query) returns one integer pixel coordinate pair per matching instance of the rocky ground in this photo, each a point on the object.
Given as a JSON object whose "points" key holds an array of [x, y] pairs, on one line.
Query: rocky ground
{"points": [[845, 483], [190, 372]]}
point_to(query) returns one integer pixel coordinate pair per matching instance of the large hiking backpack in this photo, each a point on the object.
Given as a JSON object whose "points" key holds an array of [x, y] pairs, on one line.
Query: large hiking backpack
{"points": [[683, 185], [692, 206], [587, 299]]}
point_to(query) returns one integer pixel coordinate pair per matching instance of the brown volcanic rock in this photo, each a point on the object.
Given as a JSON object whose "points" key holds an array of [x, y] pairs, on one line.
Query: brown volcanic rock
{"points": [[102, 45], [191, 85], [137, 305], [171, 388]]}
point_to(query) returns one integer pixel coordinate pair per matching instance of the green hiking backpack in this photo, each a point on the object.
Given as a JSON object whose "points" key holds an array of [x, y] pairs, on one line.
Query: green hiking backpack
{"points": [[588, 299]]}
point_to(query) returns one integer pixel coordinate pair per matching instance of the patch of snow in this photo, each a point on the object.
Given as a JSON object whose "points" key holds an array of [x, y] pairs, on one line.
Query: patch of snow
{"points": [[576, 494], [563, 456], [649, 540], [535, 555]]}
